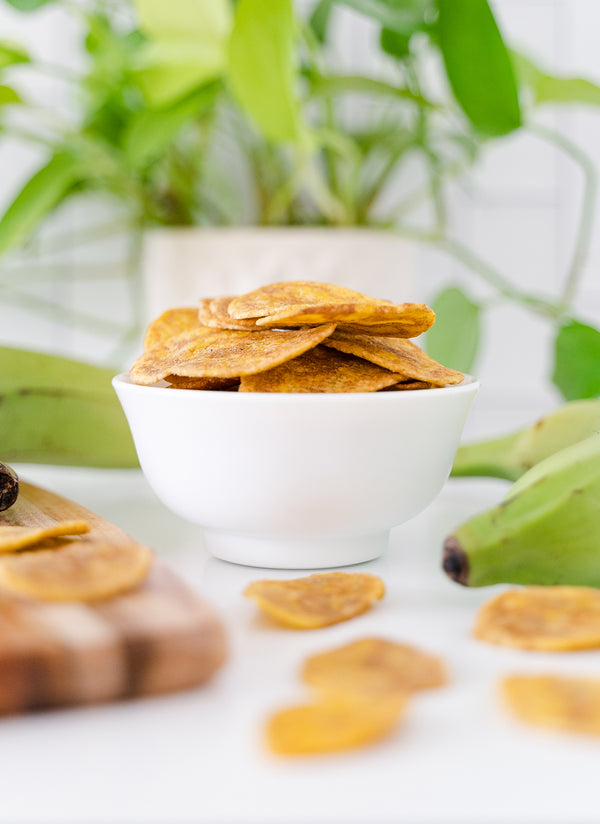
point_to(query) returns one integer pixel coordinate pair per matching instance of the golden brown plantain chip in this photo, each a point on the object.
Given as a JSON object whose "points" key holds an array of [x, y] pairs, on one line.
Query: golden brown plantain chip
{"points": [[321, 370], [397, 355], [85, 570], [407, 386], [277, 297], [213, 313], [171, 324], [223, 353], [333, 725], [317, 600], [214, 384], [373, 668], [551, 619], [409, 319], [568, 704], [13, 538]]}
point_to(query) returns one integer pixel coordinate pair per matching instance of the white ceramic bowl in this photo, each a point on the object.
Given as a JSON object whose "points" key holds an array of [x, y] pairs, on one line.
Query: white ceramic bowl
{"points": [[296, 481]]}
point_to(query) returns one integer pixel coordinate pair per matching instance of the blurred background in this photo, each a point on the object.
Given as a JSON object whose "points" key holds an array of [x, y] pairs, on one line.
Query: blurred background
{"points": [[461, 141]]}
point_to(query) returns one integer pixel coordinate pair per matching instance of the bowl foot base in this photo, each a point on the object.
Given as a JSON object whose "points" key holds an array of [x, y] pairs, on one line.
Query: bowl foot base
{"points": [[295, 553]]}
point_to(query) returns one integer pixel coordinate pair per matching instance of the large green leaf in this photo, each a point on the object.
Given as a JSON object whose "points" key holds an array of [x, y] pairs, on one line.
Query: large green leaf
{"points": [[187, 46], [60, 411], [28, 5], [8, 95], [478, 65], [403, 16], [577, 361], [547, 88], [262, 66], [454, 337], [38, 197], [152, 130], [11, 54]]}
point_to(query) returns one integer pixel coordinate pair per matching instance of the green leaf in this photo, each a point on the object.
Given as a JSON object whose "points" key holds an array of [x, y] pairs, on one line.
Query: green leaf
{"points": [[262, 66], [577, 361], [38, 197], [454, 337], [11, 54], [187, 46], [402, 16], [28, 5], [320, 19], [478, 65], [8, 95], [395, 43], [151, 131], [548, 88]]}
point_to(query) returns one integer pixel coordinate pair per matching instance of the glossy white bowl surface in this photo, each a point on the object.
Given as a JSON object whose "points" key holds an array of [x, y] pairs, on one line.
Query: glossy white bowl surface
{"points": [[296, 481]]}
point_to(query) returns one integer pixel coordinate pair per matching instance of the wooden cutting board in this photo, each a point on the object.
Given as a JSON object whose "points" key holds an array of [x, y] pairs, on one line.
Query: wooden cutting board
{"points": [[160, 637]]}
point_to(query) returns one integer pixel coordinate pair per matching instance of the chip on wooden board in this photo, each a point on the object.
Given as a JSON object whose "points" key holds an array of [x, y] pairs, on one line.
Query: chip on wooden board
{"points": [[14, 538], [321, 370], [84, 570], [317, 600], [551, 619], [278, 297], [555, 702], [171, 324], [397, 355], [373, 668], [333, 725], [223, 353]]}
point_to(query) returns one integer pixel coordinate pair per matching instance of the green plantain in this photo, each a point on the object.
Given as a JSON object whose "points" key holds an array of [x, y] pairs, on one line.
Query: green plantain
{"points": [[545, 531], [60, 411], [512, 455]]}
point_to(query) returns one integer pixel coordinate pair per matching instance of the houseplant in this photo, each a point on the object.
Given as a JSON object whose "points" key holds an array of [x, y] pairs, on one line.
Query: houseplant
{"points": [[205, 112]]}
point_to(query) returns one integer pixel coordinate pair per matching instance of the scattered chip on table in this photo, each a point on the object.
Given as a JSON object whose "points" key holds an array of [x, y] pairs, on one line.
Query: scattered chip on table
{"points": [[13, 538], [171, 324], [84, 570], [223, 353], [317, 600], [556, 702], [278, 297], [333, 725], [397, 355], [321, 370], [373, 668], [551, 619]]}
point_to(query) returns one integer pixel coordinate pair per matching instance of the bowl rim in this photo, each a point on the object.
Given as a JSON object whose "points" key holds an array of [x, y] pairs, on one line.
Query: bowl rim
{"points": [[469, 385]]}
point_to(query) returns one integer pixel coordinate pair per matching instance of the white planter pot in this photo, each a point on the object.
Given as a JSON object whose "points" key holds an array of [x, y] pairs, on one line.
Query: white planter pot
{"points": [[180, 266]]}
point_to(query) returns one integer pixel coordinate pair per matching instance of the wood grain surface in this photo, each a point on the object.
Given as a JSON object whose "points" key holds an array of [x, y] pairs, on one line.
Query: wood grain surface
{"points": [[159, 637]]}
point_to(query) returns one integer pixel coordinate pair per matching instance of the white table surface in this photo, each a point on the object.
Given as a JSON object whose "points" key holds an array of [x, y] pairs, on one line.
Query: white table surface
{"points": [[198, 756]]}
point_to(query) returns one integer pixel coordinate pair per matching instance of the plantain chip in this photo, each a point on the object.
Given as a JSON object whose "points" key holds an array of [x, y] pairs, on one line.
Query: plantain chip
{"points": [[409, 319], [321, 370], [568, 704], [213, 312], [317, 600], [170, 324], [85, 570], [397, 355], [278, 297], [407, 386], [223, 353], [13, 538], [551, 619], [179, 382], [333, 725], [373, 668]]}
